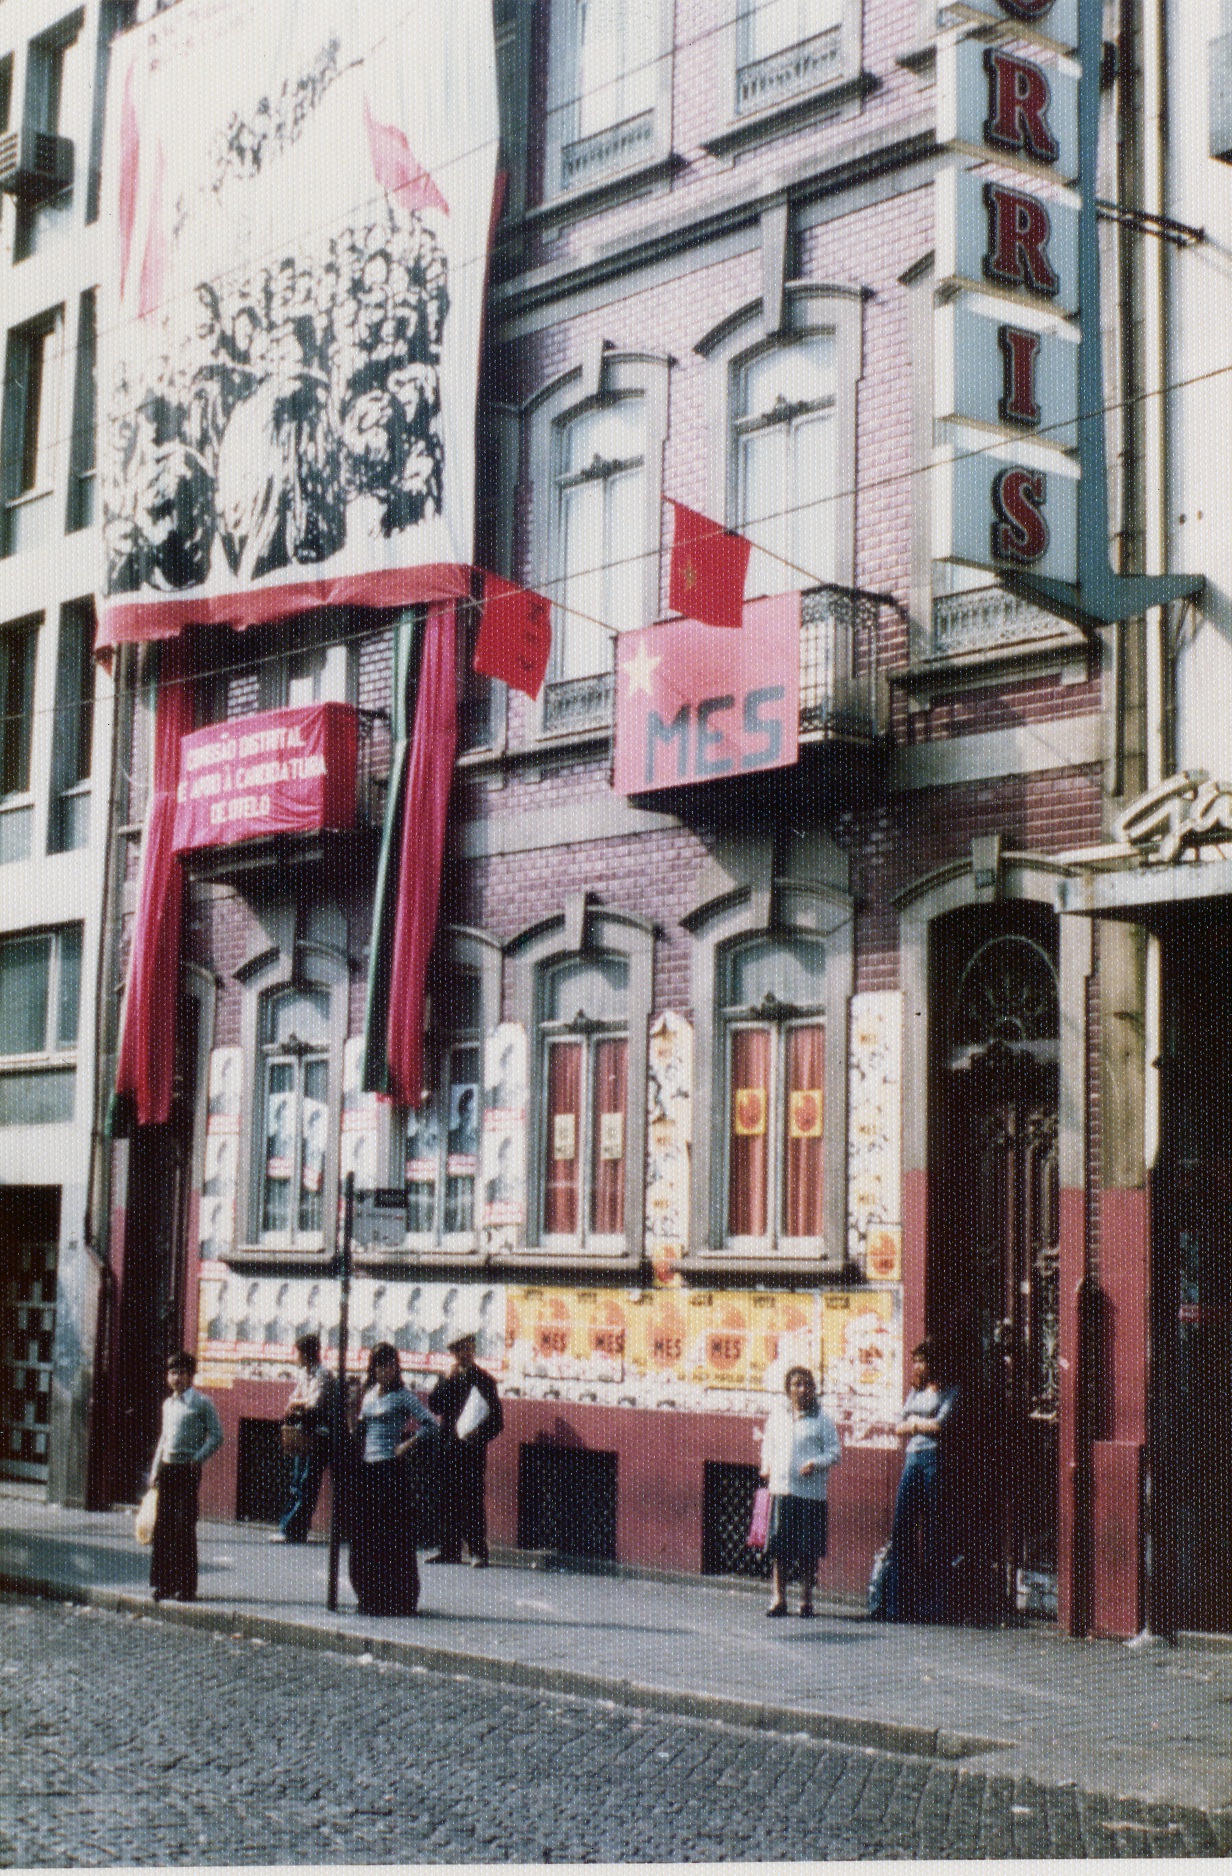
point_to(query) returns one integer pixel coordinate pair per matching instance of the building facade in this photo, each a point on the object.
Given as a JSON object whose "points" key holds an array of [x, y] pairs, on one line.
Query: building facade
{"points": [[55, 738], [796, 991]]}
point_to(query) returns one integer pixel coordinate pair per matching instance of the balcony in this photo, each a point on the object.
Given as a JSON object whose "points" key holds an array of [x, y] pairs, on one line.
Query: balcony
{"points": [[258, 816], [789, 74], [840, 690], [987, 619], [579, 705], [593, 159]]}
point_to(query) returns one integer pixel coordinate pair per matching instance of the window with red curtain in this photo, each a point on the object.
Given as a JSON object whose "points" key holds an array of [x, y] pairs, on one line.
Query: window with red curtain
{"points": [[586, 1072], [771, 990]]}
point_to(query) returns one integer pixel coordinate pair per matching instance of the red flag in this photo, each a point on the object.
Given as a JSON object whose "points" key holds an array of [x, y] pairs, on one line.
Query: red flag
{"points": [[515, 637], [424, 815], [397, 169], [709, 567], [146, 1068]]}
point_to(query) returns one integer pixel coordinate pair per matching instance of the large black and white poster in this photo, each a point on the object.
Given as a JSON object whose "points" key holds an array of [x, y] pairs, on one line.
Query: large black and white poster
{"points": [[300, 200]]}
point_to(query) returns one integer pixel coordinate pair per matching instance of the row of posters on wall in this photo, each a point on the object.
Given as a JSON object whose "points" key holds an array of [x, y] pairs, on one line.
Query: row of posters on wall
{"points": [[476, 1138], [698, 1351]]}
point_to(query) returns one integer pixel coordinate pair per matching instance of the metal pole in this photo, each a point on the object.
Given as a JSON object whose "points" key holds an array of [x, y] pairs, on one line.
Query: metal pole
{"points": [[340, 1393]]}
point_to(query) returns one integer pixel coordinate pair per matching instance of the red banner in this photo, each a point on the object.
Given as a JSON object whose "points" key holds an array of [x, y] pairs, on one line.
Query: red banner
{"points": [[693, 705], [283, 772]]}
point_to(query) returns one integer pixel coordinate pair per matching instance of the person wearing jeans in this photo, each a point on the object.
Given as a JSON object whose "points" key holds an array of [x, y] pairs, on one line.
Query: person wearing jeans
{"points": [[311, 1408], [913, 1587]]}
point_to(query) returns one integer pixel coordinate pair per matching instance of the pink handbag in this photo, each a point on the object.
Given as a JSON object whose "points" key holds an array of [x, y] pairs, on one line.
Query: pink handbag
{"points": [[759, 1524]]}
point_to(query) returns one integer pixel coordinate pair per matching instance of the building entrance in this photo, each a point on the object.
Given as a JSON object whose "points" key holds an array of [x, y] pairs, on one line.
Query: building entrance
{"points": [[29, 1236], [1191, 1391], [993, 1266]]}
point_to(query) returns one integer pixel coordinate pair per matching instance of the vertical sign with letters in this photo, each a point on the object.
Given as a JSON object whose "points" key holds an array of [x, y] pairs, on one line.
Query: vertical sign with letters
{"points": [[1006, 332]]}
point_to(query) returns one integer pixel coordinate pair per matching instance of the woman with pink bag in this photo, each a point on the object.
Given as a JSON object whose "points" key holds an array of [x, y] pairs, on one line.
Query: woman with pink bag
{"points": [[798, 1448]]}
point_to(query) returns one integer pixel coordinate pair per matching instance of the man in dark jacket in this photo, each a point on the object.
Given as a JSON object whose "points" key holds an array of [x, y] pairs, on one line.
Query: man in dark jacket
{"points": [[468, 1407]]}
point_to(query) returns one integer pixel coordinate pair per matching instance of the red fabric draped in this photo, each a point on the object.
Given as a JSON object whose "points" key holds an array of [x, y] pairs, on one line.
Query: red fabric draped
{"points": [[748, 1179], [804, 1163], [611, 1075], [146, 1068], [564, 1145], [433, 745]]}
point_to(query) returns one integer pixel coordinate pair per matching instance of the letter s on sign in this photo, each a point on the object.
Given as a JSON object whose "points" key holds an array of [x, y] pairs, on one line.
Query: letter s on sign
{"points": [[1019, 530]]}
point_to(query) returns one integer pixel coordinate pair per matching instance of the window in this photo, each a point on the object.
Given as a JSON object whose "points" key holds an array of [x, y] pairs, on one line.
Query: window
{"points": [[581, 984], [442, 1136], [787, 48], [770, 26], [53, 79], [772, 1015], [31, 378], [18, 645], [585, 1083], [784, 446], [82, 449], [610, 79], [318, 667], [601, 460], [74, 729], [114, 17], [772, 980], [294, 1116], [40, 991], [595, 453], [783, 389]]}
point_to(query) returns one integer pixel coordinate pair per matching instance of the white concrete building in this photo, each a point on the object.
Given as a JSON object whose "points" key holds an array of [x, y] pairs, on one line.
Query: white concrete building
{"points": [[55, 731]]}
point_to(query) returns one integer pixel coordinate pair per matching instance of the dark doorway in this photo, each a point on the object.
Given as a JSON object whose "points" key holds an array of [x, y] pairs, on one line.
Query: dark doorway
{"points": [[1191, 1379], [29, 1239], [994, 1247]]}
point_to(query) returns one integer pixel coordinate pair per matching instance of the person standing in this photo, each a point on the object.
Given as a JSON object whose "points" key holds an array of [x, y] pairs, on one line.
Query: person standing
{"points": [[191, 1434], [912, 1588], [798, 1449], [311, 1410], [466, 1403], [383, 1568]]}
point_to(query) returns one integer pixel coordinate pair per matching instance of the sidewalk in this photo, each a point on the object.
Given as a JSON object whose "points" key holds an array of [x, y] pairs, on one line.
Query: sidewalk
{"points": [[1152, 1723]]}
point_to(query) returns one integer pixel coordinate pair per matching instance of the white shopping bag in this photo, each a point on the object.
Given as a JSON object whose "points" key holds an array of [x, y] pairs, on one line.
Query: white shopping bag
{"points": [[474, 1413]]}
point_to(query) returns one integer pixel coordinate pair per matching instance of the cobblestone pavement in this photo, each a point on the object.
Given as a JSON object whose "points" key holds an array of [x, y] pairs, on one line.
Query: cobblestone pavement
{"points": [[128, 1741]]}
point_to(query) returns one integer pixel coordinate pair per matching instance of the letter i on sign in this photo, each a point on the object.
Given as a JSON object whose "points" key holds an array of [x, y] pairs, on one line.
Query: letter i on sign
{"points": [[1020, 351]]}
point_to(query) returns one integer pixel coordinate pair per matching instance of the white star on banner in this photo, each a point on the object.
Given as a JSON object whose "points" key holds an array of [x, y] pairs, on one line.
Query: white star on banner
{"points": [[640, 670]]}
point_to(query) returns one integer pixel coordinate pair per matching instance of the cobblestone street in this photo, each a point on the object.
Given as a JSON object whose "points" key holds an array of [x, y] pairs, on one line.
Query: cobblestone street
{"points": [[128, 1741]]}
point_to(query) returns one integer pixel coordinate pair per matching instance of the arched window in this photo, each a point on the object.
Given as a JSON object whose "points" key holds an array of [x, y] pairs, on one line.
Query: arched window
{"points": [[772, 1016], [600, 532], [585, 1067], [784, 448]]}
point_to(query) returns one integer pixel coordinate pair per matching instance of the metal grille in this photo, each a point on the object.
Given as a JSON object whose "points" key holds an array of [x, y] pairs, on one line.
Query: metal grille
{"points": [[567, 1501], [27, 1333], [580, 703], [594, 157], [786, 74], [727, 1507], [838, 662]]}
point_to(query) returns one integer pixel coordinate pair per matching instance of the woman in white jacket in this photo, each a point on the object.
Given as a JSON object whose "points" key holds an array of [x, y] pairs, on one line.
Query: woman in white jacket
{"points": [[799, 1447]]}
